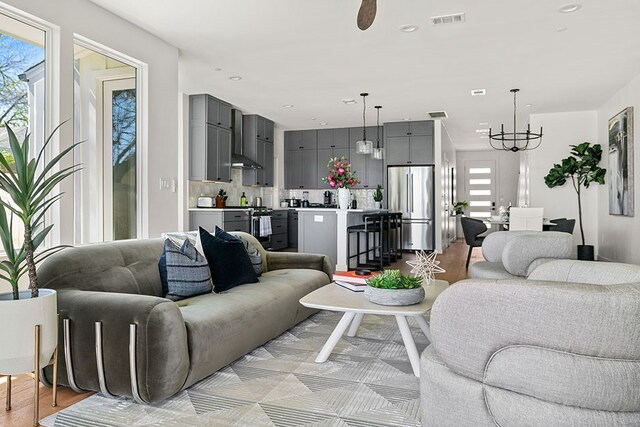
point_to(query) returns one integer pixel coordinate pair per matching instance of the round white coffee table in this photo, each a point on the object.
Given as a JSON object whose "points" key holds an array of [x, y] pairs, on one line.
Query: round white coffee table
{"points": [[355, 305]]}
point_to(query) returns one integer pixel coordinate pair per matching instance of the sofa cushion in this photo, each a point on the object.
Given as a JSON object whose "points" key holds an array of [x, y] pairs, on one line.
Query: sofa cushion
{"points": [[489, 270], [184, 271], [252, 251], [228, 261], [223, 327]]}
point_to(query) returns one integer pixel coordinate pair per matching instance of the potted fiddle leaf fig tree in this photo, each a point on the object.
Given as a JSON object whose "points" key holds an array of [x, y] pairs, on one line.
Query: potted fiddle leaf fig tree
{"points": [[29, 184], [582, 169]]}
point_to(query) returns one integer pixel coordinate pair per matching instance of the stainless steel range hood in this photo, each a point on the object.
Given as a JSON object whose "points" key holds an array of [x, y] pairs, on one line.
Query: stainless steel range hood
{"points": [[239, 160]]}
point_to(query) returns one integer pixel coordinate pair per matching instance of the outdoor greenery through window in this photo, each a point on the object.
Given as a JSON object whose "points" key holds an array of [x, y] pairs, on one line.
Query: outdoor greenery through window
{"points": [[22, 89], [105, 119]]}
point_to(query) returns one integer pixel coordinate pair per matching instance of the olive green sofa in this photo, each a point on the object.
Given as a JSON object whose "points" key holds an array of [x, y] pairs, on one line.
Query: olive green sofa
{"points": [[119, 336]]}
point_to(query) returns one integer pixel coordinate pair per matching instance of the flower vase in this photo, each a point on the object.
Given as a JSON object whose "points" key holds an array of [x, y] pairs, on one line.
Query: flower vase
{"points": [[343, 198]]}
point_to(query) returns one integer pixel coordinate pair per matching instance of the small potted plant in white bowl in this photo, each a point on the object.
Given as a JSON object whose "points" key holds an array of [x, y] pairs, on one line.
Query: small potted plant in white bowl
{"points": [[393, 288]]}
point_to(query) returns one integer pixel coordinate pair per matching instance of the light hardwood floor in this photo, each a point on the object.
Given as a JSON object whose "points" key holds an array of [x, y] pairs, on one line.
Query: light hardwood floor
{"points": [[21, 414]]}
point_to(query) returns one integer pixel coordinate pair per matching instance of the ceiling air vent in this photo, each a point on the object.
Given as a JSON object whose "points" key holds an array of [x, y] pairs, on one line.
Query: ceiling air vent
{"points": [[478, 92], [455, 18], [438, 114]]}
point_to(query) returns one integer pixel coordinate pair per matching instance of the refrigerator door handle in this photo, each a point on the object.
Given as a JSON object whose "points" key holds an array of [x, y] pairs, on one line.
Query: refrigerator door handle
{"points": [[411, 192], [408, 192]]}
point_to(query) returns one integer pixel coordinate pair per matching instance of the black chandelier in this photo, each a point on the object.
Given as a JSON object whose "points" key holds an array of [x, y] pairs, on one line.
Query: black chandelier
{"points": [[515, 141]]}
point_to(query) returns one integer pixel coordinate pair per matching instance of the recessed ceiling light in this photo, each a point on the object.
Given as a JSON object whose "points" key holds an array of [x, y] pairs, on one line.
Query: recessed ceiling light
{"points": [[569, 8], [349, 101], [483, 130], [561, 29], [409, 28], [478, 92], [529, 105], [288, 105], [313, 118], [235, 78], [323, 123], [483, 124]]}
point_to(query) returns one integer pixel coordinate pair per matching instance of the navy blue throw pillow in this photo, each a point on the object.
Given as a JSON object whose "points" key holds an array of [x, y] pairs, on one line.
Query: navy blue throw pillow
{"points": [[254, 254], [228, 261]]}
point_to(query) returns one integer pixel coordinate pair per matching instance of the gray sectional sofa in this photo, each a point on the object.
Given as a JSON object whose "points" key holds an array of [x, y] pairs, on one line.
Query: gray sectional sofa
{"points": [[561, 348], [122, 338]]}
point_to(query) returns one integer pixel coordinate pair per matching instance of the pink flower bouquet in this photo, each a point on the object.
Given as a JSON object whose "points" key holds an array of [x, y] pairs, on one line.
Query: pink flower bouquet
{"points": [[340, 174]]}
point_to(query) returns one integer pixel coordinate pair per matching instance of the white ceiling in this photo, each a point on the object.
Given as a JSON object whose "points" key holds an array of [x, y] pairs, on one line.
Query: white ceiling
{"points": [[310, 53]]}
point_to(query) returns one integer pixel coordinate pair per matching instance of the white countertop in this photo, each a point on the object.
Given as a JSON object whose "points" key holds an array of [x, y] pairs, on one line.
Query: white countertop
{"points": [[219, 209], [338, 210]]}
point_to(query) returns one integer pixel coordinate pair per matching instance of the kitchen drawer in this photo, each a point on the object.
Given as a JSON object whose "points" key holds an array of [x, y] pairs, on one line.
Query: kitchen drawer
{"points": [[279, 226], [279, 214], [237, 226], [278, 241], [236, 216]]}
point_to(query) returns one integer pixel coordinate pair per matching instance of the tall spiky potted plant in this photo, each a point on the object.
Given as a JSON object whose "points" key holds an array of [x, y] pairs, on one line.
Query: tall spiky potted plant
{"points": [[582, 169], [29, 183]]}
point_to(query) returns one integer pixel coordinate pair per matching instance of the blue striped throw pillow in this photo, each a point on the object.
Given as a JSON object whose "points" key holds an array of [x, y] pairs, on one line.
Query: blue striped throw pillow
{"points": [[187, 271]]}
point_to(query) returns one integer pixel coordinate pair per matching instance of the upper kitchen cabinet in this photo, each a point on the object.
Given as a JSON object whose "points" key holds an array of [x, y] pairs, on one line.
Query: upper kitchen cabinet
{"points": [[257, 144], [368, 170], [333, 138], [409, 143], [300, 159], [209, 142]]}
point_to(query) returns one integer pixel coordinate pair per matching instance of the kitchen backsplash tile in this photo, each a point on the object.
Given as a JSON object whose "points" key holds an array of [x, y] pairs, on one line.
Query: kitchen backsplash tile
{"points": [[364, 197], [234, 190]]}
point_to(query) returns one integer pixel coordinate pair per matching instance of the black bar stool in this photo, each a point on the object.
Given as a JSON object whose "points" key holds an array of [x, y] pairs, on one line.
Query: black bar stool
{"points": [[393, 227], [373, 231]]}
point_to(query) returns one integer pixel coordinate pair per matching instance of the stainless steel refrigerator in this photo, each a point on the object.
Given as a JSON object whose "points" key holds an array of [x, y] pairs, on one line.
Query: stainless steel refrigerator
{"points": [[410, 190]]}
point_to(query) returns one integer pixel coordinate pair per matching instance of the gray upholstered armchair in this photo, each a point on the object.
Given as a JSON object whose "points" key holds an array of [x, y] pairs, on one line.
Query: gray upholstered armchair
{"points": [[559, 349], [514, 254]]}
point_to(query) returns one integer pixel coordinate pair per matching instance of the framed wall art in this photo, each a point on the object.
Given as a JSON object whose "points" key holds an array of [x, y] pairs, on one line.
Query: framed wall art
{"points": [[621, 163]]}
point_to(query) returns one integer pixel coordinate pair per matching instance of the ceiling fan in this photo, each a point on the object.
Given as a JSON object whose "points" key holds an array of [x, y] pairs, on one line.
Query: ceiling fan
{"points": [[367, 14]]}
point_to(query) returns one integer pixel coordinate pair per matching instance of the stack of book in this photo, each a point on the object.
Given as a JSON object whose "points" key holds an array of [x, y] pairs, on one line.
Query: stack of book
{"points": [[351, 280]]}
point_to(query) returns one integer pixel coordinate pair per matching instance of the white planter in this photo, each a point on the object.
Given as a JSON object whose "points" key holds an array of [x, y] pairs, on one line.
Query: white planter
{"points": [[394, 296], [377, 205], [17, 330], [344, 198]]}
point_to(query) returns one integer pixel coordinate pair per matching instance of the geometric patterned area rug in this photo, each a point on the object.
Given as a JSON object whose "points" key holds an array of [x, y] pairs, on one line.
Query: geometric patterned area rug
{"points": [[367, 381]]}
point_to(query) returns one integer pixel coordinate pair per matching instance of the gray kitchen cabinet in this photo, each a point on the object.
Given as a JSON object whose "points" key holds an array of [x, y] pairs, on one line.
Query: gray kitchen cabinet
{"points": [[309, 140], [368, 170], [257, 141], [292, 229], [280, 229], [409, 143], [209, 139], [300, 159], [333, 138]]}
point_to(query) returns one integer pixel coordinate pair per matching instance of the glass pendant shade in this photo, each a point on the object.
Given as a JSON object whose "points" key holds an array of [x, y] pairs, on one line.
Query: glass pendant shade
{"points": [[378, 153], [364, 147]]}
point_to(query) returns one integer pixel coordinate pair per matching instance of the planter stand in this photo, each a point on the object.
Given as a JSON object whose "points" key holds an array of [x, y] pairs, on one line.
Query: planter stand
{"points": [[36, 377]]}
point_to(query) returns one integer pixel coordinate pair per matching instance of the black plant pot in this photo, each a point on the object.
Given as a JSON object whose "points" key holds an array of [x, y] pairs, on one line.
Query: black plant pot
{"points": [[585, 252]]}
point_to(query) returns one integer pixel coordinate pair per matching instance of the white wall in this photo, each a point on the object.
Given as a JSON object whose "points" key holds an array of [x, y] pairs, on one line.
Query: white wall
{"points": [[618, 236], [561, 130], [96, 24]]}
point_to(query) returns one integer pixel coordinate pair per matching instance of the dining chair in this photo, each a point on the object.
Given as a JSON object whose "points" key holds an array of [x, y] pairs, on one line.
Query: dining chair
{"points": [[472, 228], [563, 224], [529, 219]]}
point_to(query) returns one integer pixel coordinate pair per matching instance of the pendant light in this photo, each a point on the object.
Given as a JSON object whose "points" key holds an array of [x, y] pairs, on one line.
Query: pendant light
{"points": [[364, 146], [515, 141], [378, 153]]}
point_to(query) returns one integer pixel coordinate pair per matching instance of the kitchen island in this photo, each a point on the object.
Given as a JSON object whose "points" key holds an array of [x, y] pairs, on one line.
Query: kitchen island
{"points": [[324, 231]]}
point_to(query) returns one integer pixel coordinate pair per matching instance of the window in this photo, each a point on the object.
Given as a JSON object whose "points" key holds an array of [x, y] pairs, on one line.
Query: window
{"points": [[22, 89], [480, 181], [106, 120], [474, 171]]}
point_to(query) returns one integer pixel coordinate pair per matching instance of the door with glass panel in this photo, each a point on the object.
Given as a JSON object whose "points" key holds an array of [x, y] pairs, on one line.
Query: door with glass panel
{"points": [[480, 187], [119, 145]]}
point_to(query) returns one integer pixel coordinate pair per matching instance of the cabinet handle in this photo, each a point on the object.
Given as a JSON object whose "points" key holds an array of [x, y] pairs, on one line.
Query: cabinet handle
{"points": [[219, 179], [219, 123]]}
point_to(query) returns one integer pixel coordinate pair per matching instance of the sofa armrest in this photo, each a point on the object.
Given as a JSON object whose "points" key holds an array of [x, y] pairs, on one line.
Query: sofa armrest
{"points": [[524, 252], [597, 273], [493, 245], [282, 260], [474, 319], [161, 345]]}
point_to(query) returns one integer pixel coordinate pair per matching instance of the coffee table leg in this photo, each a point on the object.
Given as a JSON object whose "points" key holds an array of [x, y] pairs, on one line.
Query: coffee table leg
{"points": [[353, 330], [335, 336], [409, 344], [424, 325]]}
